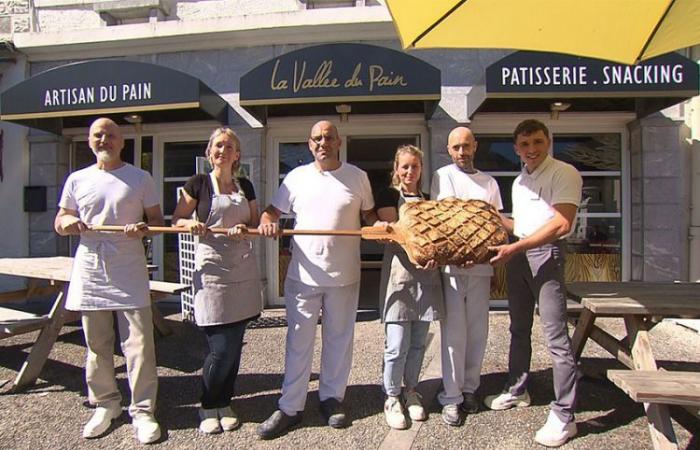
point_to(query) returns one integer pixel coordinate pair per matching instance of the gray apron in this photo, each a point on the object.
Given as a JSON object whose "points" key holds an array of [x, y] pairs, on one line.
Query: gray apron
{"points": [[407, 293], [226, 281]]}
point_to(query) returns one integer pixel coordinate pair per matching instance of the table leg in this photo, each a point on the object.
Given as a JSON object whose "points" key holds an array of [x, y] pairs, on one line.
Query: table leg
{"points": [[660, 427], [159, 322], [42, 347], [582, 332]]}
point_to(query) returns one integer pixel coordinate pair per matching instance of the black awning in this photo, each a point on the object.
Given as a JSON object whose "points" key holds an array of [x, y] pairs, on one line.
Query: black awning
{"points": [[314, 80], [74, 94], [531, 81]]}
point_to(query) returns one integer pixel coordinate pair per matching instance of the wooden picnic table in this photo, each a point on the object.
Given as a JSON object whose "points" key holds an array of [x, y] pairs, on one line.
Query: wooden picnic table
{"points": [[641, 305], [50, 276]]}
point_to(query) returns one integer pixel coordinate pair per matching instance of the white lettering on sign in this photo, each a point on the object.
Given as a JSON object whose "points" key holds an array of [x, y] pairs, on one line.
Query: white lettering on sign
{"points": [[96, 95], [651, 74], [69, 96], [544, 76]]}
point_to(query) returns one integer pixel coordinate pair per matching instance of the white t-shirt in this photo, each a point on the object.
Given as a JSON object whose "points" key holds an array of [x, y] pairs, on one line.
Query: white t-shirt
{"points": [[325, 200], [109, 269], [451, 181], [554, 182]]}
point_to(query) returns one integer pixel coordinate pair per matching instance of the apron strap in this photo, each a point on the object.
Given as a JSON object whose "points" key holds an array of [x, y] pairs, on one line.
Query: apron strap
{"points": [[214, 183]]}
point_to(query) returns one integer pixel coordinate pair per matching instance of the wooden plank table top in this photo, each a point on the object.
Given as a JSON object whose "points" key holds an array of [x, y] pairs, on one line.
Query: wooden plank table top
{"points": [[54, 268], [617, 299]]}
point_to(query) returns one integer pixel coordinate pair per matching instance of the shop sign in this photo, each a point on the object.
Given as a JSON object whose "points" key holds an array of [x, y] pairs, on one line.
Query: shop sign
{"points": [[98, 85], [340, 70], [551, 72]]}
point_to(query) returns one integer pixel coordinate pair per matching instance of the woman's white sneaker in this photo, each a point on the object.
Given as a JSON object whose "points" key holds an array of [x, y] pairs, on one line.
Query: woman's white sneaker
{"points": [[394, 413], [414, 405], [228, 419], [555, 433], [209, 421]]}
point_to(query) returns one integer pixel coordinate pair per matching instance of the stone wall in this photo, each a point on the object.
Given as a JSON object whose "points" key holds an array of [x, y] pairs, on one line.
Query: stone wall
{"points": [[15, 17], [660, 200]]}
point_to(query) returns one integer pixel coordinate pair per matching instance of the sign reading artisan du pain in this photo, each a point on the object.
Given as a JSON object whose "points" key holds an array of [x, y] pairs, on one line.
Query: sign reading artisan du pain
{"points": [[340, 70], [526, 71], [100, 84]]}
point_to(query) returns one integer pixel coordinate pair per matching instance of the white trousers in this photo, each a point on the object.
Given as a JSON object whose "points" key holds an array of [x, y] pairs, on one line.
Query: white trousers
{"points": [[463, 334], [136, 337], [303, 305]]}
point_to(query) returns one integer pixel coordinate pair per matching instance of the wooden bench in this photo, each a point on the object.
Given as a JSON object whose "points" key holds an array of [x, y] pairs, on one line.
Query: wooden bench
{"points": [[660, 388], [160, 290]]}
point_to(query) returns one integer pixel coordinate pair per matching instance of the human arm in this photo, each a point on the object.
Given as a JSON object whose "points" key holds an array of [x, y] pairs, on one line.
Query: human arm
{"points": [[558, 226], [68, 222], [269, 222], [183, 213]]}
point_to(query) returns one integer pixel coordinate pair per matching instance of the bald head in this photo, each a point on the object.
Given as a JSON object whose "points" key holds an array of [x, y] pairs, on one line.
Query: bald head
{"points": [[324, 144], [106, 141], [461, 146]]}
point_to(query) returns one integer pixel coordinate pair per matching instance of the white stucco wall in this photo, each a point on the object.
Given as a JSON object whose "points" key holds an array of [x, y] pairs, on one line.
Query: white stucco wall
{"points": [[15, 163]]}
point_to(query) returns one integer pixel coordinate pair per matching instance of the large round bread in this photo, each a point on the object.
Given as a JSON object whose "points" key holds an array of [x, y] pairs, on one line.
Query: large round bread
{"points": [[450, 231]]}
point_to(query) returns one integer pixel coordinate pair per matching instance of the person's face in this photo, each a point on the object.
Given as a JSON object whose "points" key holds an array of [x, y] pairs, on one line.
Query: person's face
{"points": [[106, 141], [408, 169], [532, 149], [324, 142], [461, 146], [224, 152]]}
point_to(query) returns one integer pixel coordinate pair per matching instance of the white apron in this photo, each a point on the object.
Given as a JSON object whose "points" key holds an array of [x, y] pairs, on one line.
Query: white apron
{"points": [[226, 281], [109, 272], [407, 293]]}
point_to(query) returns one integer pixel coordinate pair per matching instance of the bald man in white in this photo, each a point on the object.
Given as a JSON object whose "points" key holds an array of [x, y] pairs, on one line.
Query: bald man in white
{"points": [[110, 276], [464, 329], [323, 274]]}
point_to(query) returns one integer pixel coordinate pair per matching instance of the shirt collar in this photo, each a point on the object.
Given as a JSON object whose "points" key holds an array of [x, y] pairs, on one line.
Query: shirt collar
{"points": [[541, 168]]}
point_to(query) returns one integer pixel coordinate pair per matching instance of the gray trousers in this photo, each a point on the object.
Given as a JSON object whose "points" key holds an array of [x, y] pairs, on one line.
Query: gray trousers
{"points": [[538, 276]]}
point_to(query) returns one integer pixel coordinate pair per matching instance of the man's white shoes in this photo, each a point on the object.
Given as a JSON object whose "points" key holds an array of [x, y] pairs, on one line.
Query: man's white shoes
{"points": [[146, 427], [555, 433], [506, 400], [101, 420], [394, 413]]}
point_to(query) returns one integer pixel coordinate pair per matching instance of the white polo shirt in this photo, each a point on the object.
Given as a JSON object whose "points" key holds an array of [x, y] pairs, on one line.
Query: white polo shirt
{"points": [[554, 182], [325, 200], [451, 181]]}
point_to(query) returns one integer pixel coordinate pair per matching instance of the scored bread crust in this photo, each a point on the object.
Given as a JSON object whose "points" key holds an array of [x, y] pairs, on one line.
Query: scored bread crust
{"points": [[450, 231]]}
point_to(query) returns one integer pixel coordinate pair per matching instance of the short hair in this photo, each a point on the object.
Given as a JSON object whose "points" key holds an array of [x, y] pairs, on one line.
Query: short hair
{"points": [[529, 126], [411, 150]]}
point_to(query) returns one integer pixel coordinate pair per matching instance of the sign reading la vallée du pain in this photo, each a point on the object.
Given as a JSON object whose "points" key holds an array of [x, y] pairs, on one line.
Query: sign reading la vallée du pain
{"points": [[340, 70], [100, 84], [542, 72]]}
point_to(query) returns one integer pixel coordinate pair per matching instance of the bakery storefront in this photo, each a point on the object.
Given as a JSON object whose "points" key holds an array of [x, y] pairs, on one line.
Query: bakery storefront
{"points": [[601, 116]]}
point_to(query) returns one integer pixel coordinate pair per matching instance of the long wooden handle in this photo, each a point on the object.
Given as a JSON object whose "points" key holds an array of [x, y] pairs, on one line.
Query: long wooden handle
{"points": [[252, 232]]}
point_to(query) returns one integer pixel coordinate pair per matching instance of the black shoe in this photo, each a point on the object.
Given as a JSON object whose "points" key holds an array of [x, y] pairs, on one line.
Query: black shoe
{"points": [[277, 424], [470, 405], [334, 413], [452, 415]]}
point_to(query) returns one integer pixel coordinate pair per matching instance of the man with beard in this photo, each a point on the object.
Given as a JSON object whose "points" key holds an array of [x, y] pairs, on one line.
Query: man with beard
{"points": [[110, 278], [467, 290]]}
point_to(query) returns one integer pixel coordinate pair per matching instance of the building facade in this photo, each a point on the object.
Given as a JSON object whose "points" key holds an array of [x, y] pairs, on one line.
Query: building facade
{"points": [[171, 71]]}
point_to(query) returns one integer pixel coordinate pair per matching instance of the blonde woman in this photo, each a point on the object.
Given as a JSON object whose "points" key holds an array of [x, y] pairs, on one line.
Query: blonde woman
{"points": [[410, 298], [226, 277]]}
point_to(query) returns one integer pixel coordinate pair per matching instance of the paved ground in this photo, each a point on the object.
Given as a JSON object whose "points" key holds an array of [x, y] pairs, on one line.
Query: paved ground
{"points": [[51, 414]]}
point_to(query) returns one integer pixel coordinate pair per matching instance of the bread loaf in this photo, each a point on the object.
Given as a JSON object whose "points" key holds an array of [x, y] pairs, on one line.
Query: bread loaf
{"points": [[450, 231]]}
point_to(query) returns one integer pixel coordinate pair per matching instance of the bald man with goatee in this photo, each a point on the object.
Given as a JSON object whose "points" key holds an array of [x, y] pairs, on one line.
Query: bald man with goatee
{"points": [[466, 289], [323, 275], [110, 279]]}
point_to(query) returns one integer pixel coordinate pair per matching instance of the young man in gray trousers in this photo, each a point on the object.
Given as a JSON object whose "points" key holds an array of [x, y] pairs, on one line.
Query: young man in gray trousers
{"points": [[546, 196]]}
